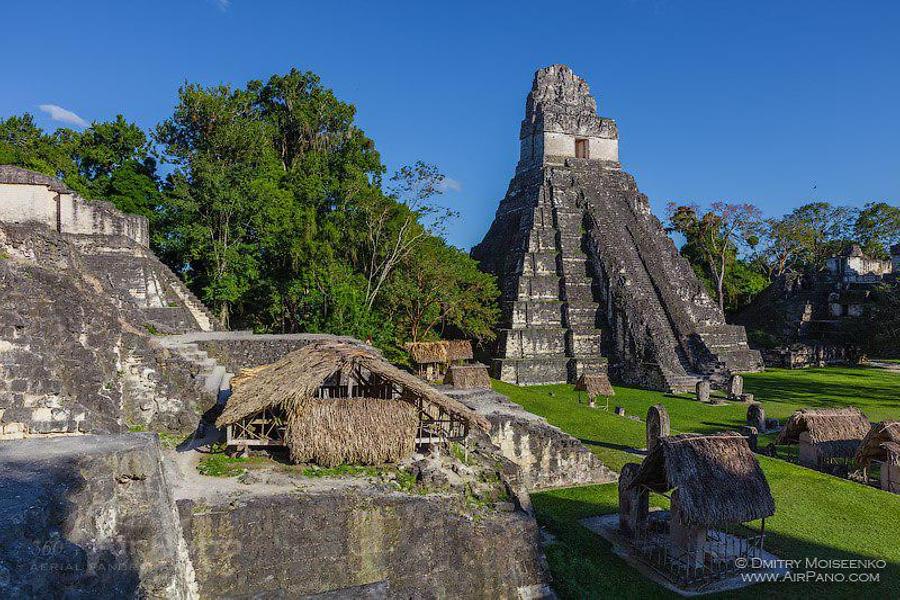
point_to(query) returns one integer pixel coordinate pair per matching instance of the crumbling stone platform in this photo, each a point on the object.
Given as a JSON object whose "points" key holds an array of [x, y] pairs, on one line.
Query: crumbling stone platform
{"points": [[89, 517], [547, 456], [116, 516]]}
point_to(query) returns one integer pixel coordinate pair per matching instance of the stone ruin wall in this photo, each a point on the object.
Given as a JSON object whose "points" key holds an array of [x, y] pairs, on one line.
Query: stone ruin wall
{"points": [[76, 350], [67, 212], [547, 456], [107, 517], [72, 360]]}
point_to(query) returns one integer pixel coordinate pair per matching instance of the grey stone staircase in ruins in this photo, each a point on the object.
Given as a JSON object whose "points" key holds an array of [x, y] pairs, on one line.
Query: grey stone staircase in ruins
{"points": [[551, 327], [587, 273], [210, 377], [137, 277]]}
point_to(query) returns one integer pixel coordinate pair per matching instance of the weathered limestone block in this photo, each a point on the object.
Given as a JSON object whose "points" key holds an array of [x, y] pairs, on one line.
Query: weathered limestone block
{"points": [[752, 434], [703, 391], [342, 541], [532, 371], [634, 503], [657, 425], [756, 416], [521, 343], [808, 453], [89, 517], [547, 456], [735, 387], [688, 539]]}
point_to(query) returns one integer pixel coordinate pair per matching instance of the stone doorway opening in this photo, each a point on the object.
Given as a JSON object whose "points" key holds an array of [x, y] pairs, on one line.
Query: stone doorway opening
{"points": [[581, 148]]}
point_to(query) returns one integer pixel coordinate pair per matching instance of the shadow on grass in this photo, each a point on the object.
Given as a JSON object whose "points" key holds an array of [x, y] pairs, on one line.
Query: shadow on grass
{"points": [[620, 447]]}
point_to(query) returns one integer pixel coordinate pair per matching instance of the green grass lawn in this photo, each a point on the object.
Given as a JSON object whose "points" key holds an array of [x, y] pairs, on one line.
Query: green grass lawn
{"points": [[816, 515]]}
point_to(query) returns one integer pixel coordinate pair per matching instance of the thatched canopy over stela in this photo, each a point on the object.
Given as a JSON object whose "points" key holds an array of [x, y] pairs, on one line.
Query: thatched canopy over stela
{"points": [[837, 430], [882, 439], [718, 479]]}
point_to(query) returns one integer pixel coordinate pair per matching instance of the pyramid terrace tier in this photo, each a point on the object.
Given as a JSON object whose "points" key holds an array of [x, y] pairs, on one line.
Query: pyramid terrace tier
{"points": [[546, 370], [537, 342]]}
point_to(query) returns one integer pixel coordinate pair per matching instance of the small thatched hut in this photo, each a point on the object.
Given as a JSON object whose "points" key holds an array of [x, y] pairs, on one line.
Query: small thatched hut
{"points": [[459, 352], [716, 482], [336, 402], [825, 435], [595, 384], [430, 359], [882, 444], [468, 377]]}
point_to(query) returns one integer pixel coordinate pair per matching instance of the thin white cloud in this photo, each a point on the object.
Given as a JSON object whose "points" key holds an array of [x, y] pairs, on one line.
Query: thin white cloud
{"points": [[222, 5], [58, 113], [450, 185]]}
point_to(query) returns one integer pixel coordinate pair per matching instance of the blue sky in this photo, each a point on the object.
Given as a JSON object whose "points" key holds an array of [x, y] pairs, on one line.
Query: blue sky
{"points": [[752, 101]]}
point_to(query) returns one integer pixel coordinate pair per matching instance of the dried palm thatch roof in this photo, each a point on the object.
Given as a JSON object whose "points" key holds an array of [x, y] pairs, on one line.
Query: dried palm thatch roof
{"points": [[459, 350], [717, 477], [367, 431], [468, 377], [882, 438], [836, 431], [423, 353], [595, 384], [293, 381]]}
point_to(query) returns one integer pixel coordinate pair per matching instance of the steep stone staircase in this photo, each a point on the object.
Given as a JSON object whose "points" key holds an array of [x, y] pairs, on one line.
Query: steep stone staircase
{"points": [[551, 318], [135, 276], [210, 377]]}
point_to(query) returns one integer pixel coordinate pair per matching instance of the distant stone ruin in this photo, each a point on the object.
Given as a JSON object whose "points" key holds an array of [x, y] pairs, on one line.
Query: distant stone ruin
{"points": [[589, 279], [797, 321]]}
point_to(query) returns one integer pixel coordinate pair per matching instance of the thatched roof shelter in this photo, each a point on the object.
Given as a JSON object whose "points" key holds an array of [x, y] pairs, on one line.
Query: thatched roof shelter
{"points": [[468, 377], [423, 353], [360, 415], [595, 384], [459, 350], [883, 439], [718, 478], [835, 431]]}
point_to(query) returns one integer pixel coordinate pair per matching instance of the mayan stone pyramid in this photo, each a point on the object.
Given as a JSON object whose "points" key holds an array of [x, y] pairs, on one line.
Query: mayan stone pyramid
{"points": [[590, 280]]}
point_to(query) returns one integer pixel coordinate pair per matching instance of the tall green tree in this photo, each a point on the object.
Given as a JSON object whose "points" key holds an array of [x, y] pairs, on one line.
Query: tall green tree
{"points": [[877, 228], [715, 236], [278, 216], [223, 189]]}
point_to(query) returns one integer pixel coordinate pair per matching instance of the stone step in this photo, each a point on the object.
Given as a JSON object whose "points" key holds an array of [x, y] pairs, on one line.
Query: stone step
{"points": [[583, 342], [538, 263], [525, 343], [580, 365], [541, 240], [576, 267], [578, 292], [568, 223], [530, 313], [580, 315], [542, 216], [531, 371], [538, 287]]}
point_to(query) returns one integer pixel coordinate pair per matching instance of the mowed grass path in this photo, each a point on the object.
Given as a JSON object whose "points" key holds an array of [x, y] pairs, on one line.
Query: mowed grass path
{"points": [[817, 516]]}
